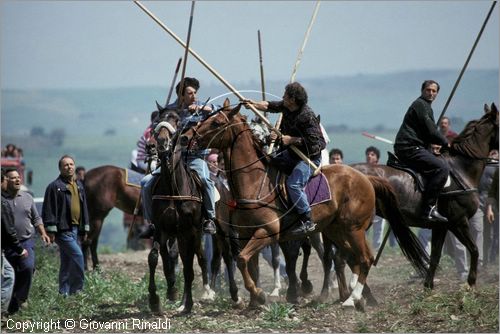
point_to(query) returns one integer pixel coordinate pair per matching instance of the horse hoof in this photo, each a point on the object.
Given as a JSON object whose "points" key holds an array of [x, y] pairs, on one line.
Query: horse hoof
{"points": [[154, 303], [172, 294], [429, 285], [275, 293], [349, 303], [261, 297], [323, 297], [360, 305], [208, 294], [306, 287], [371, 302], [239, 304]]}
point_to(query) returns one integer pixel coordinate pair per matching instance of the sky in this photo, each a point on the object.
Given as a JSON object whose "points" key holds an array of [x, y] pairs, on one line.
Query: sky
{"points": [[102, 44]]}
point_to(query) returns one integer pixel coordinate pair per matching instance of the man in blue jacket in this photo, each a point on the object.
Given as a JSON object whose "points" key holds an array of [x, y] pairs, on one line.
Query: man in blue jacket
{"points": [[66, 218]]}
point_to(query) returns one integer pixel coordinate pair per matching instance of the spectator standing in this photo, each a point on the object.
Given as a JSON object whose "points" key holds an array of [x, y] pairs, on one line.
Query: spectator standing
{"points": [[336, 156], [445, 129], [9, 242], [26, 220], [65, 216], [80, 173]]}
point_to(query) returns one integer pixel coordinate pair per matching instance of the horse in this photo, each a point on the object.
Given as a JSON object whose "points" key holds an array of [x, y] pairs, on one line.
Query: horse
{"points": [[342, 220], [458, 202], [106, 188]]}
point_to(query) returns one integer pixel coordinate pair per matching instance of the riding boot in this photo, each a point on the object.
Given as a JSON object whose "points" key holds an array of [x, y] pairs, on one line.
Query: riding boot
{"points": [[148, 233], [209, 226], [430, 212], [305, 224]]}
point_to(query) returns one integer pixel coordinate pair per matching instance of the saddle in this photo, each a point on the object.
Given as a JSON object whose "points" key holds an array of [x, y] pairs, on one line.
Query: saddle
{"points": [[393, 161], [317, 190]]}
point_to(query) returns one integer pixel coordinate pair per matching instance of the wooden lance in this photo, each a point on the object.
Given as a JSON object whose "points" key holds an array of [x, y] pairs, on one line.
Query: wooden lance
{"points": [[186, 53], [223, 81]]}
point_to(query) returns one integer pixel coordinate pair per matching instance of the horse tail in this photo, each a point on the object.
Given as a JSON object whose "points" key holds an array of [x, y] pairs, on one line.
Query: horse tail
{"points": [[388, 205]]}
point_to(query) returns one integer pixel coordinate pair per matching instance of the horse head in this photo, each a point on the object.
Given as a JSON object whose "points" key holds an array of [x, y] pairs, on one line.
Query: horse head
{"points": [[217, 130], [479, 137]]}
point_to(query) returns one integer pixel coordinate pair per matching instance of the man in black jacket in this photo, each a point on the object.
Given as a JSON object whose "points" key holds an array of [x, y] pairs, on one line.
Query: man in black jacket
{"points": [[416, 134], [66, 219], [9, 241], [300, 127]]}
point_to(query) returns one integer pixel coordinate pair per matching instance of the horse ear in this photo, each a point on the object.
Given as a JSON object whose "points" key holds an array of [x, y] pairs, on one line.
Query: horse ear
{"points": [[159, 107], [494, 108], [235, 110], [226, 104]]}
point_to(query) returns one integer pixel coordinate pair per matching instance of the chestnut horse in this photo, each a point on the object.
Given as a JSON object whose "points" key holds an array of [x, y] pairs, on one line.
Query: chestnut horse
{"points": [[467, 158], [106, 188], [343, 220]]}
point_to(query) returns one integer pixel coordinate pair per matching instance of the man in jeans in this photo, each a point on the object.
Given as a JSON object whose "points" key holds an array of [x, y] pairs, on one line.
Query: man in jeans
{"points": [[11, 242], [66, 219], [26, 220]]}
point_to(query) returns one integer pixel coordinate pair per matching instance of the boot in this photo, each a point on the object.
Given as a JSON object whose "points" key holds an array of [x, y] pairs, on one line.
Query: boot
{"points": [[306, 224], [148, 233], [430, 213], [209, 226]]}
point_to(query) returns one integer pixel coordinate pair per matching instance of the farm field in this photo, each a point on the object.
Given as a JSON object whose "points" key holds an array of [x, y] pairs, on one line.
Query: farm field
{"points": [[117, 295]]}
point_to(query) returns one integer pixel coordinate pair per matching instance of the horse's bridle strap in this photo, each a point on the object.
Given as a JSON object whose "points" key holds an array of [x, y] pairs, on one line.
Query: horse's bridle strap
{"points": [[177, 198]]}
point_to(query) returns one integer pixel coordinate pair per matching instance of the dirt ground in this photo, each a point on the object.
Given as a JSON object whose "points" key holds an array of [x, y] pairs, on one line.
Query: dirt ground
{"points": [[390, 282]]}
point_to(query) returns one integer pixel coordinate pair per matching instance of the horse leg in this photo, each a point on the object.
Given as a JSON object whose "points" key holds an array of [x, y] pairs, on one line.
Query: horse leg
{"points": [[259, 240], [275, 259], [208, 293], [253, 269], [154, 299], [187, 252], [306, 285], [291, 252], [228, 260], [327, 267], [169, 254], [363, 262], [339, 263], [437, 241], [215, 264], [367, 292], [462, 232]]}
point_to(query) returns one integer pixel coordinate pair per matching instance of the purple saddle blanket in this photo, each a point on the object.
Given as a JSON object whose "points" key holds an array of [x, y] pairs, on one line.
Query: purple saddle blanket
{"points": [[318, 190], [133, 178]]}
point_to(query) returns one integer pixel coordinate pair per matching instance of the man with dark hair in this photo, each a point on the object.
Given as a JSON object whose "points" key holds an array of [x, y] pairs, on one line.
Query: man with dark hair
{"points": [[445, 129], [299, 127], [336, 156], [9, 242], [413, 139], [80, 173], [26, 221], [190, 111], [372, 155], [66, 218]]}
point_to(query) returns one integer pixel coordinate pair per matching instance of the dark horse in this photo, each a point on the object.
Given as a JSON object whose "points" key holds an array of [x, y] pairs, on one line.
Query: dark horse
{"points": [[343, 220], [467, 158], [106, 188]]}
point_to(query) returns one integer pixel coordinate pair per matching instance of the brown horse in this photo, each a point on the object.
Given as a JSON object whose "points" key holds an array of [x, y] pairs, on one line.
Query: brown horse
{"points": [[467, 158], [106, 188], [343, 220]]}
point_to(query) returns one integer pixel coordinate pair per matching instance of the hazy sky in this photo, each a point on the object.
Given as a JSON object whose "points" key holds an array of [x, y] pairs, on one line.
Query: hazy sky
{"points": [[58, 44]]}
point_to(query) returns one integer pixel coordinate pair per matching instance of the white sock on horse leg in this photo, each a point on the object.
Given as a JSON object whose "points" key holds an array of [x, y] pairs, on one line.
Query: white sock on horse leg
{"points": [[353, 281]]}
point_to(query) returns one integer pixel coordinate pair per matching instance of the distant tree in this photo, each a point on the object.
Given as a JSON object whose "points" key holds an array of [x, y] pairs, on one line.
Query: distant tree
{"points": [[37, 131], [110, 132], [57, 136]]}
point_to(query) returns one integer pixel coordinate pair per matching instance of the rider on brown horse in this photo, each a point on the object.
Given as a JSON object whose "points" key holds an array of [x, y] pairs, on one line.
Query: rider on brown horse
{"points": [[300, 127], [414, 137]]}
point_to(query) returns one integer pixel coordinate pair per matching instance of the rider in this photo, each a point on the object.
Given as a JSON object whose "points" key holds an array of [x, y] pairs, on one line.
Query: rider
{"points": [[190, 112], [299, 127], [416, 134]]}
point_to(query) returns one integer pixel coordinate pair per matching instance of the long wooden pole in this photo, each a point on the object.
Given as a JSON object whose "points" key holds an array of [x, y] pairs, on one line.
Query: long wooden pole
{"points": [[172, 84], [262, 84], [466, 62], [296, 65], [186, 53], [224, 82]]}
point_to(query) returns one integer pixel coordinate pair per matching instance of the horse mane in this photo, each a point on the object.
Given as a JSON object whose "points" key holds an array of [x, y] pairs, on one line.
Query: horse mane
{"points": [[467, 142]]}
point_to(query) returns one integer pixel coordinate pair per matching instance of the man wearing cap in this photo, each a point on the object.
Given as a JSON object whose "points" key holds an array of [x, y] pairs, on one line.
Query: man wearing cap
{"points": [[191, 111]]}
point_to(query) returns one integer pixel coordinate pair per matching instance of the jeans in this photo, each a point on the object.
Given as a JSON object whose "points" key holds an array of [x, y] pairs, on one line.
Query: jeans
{"points": [[147, 183], [71, 272], [24, 269], [378, 224], [296, 183], [7, 282], [476, 230], [268, 256], [200, 166]]}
